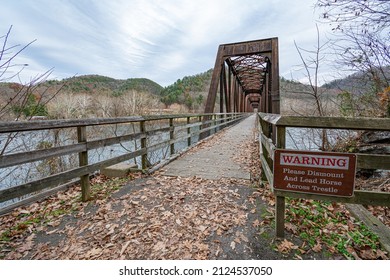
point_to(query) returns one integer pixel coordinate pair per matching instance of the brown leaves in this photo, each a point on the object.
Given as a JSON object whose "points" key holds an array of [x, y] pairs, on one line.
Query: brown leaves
{"points": [[384, 97], [94, 253], [16, 226], [286, 246], [330, 227], [168, 218], [291, 227], [367, 253], [124, 247], [317, 248]]}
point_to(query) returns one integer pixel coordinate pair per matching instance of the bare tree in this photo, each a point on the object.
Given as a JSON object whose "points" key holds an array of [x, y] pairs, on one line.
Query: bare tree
{"points": [[311, 62], [369, 15], [311, 66], [362, 42], [20, 100], [7, 56]]}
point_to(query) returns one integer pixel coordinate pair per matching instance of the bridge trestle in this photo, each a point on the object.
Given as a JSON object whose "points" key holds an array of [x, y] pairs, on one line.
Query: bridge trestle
{"points": [[246, 74]]}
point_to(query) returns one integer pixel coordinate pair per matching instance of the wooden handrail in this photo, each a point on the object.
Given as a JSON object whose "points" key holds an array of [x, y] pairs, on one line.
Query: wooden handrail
{"points": [[17, 126], [217, 121]]}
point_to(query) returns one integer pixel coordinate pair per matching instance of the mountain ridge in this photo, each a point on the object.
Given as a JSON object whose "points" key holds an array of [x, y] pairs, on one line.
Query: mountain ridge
{"points": [[189, 93]]}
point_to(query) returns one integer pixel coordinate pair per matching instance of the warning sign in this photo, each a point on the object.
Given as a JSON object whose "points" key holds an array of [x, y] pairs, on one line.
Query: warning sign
{"points": [[315, 172]]}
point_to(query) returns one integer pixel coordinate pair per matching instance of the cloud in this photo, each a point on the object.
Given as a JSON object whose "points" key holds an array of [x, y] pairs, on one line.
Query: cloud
{"points": [[160, 40]]}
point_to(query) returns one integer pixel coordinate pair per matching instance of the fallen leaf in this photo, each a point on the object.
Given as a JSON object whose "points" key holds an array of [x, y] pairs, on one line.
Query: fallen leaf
{"points": [[31, 237], [291, 227], [297, 257], [188, 244], [25, 247], [317, 248], [51, 232], [124, 248], [202, 228], [367, 253], [93, 253], [256, 223], [159, 246], [353, 252], [286, 246], [381, 254]]}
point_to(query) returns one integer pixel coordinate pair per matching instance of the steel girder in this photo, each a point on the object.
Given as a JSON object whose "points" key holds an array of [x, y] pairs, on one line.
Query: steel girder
{"points": [[247, 76]]}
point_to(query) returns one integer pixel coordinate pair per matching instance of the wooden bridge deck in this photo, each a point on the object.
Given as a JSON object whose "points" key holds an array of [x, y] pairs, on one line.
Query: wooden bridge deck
{"points": [[222, 157]]}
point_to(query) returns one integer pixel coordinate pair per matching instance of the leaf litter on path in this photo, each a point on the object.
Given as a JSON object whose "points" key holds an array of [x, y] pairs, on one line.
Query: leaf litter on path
{"points": [[169, 218]]}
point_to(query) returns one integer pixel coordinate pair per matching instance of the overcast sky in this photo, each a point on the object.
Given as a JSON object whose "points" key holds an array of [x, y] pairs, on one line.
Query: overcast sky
{"points": [[159, 40]]}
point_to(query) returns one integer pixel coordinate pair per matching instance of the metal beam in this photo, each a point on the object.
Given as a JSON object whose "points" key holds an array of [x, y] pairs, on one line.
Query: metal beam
{"points": [[214, 82], [253, 68]]}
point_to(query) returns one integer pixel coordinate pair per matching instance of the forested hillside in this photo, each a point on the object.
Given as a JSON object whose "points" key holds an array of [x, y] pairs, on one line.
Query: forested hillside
{"points": [[79, 97], [100, 84], [191, 91], [362, 95], [99, 96]]}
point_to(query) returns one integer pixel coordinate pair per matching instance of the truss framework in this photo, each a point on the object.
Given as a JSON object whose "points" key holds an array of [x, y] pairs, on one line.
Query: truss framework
{"points": [[247, 76]]}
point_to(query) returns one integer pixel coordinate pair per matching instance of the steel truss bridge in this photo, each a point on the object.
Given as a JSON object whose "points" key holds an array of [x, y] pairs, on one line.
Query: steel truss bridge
{"points": [[246, 75]]}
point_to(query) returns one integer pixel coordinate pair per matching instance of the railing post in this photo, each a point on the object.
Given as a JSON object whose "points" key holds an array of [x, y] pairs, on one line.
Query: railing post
{"points": [[203, 134], [171, 135], [226, 119], [280, 204], [83, 161], [265, 130], [263, 150], [144, 157], [216, 128], [280, 207], [188, 132]]}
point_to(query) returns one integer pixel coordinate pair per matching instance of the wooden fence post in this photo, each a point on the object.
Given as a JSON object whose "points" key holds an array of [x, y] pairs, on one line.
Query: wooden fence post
{"points": [[83, 161], [262, 149], [280, 204], [215, 122], [188, 132], [144, 157], [201, 135], [264, 126], [171, 135]]}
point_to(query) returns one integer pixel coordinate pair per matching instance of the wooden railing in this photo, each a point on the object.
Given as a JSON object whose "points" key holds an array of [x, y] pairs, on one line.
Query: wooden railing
{"points": [[176, 128], [272, 136]]}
